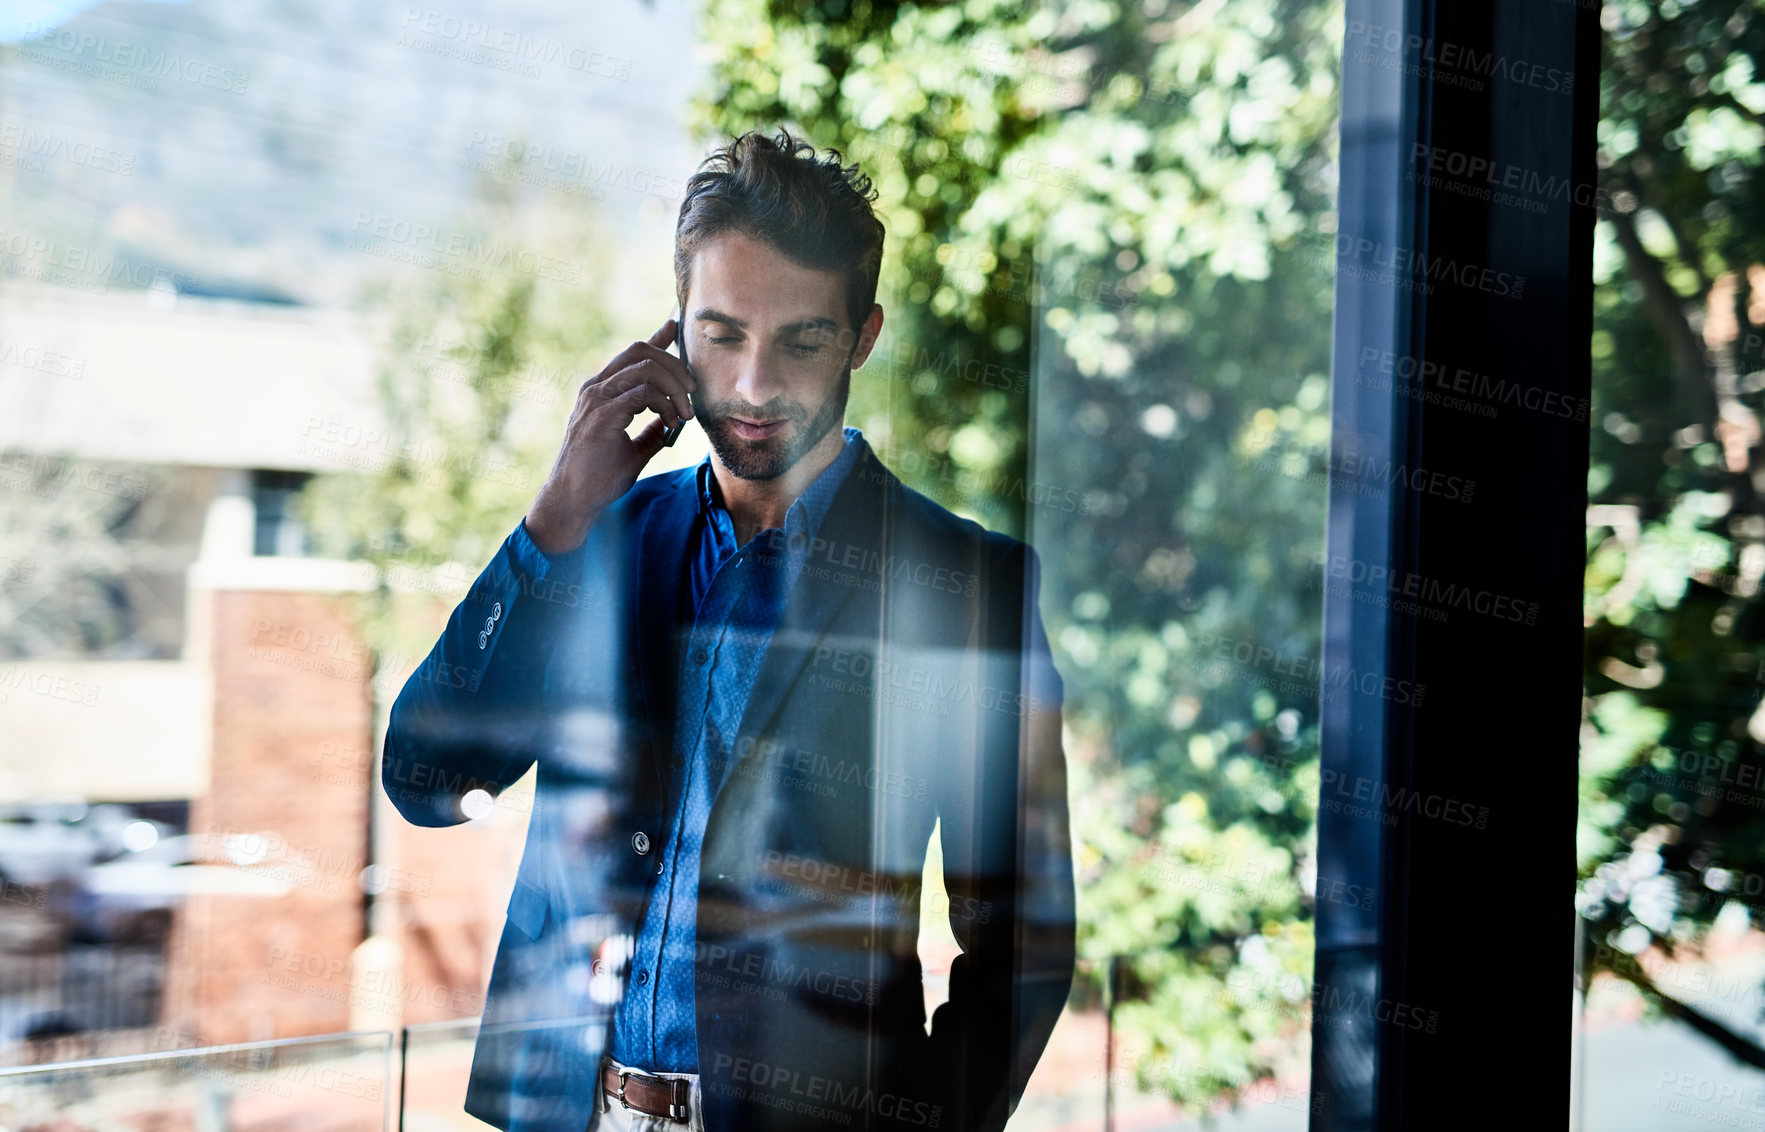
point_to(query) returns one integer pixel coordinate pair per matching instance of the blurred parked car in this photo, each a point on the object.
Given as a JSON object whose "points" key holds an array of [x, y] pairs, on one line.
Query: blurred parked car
{"points": [[42, 842], [131, 898]]}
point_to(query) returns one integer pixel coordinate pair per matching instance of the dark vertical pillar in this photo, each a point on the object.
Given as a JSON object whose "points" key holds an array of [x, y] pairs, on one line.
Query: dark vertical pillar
{"points": [[1454, 564]]}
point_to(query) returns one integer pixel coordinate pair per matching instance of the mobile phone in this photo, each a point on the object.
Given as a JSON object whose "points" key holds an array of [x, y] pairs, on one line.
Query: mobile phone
{"points": [[672, 432]]}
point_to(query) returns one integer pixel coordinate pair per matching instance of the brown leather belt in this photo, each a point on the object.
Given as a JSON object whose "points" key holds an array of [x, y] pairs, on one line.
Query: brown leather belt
{"points": [[664, 1097]]}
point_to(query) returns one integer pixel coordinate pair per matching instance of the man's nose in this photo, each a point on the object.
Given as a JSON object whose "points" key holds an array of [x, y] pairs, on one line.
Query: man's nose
{"points": [[755, 382]]}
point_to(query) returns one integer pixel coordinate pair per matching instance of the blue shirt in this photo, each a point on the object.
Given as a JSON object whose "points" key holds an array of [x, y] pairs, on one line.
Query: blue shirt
{"points": [[738, 597]]}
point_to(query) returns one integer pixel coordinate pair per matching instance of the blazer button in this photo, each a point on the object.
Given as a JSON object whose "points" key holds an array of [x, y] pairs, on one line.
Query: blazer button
{"points": [[496, 611], [489, 624], [641, 842], [483, 639]]}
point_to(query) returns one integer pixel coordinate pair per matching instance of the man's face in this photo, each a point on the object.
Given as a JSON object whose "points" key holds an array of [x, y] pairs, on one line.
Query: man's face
{"points": [[768, 341]]}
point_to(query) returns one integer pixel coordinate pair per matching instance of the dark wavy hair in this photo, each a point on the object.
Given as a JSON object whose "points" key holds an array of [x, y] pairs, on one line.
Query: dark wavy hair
{"points": [[812, 209]]}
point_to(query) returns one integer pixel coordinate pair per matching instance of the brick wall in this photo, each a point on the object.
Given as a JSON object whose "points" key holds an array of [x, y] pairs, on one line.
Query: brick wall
{"points": [[291, 687], [288, 794]]}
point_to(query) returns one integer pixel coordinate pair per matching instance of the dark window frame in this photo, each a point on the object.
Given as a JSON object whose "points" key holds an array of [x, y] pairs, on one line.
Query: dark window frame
{"points": [[1470, 924]]}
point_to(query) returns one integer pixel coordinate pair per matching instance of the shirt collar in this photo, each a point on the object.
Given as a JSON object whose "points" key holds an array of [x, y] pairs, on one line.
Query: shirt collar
{"points": [[807, 510]]}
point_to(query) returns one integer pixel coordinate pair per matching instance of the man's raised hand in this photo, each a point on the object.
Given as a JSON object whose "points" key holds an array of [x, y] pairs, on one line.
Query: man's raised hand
{"points": [[598, 462]]}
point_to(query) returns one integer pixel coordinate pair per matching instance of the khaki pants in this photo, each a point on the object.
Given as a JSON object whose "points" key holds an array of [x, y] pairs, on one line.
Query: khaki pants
{"points": [[615, 1117]]}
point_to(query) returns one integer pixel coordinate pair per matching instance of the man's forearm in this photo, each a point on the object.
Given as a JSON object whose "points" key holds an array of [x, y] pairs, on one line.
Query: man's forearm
{"points": [[1007, 834], [472, 715], [1016, 925]]}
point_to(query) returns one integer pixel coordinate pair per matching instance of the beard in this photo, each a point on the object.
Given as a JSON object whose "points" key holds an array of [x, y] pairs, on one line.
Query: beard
{"points": [[772, 456]]}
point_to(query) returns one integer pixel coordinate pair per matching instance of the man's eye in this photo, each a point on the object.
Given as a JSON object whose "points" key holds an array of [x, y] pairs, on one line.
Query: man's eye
{"points": [[726, 338], [803, 350]]}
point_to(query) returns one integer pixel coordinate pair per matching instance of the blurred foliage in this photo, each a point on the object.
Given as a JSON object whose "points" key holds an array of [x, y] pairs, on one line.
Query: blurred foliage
{"points": [[1125, 200], [480, 366], [74, 534], [1672, 833]]}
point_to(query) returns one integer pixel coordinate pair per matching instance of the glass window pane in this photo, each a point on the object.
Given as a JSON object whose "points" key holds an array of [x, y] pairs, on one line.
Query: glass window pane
{"points": [[297, 306]]}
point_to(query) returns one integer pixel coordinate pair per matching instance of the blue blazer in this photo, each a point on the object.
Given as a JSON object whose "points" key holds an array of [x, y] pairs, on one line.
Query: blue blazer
{"points": [[908, 688]]}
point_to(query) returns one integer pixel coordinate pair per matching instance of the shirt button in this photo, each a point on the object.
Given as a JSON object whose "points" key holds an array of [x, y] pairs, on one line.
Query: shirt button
{"points": [[700, 656], [641, 842], [643, 978]]}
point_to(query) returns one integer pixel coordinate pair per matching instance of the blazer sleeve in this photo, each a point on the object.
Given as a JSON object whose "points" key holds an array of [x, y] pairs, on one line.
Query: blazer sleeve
{"points": [[473, 714], [1007, 850]]}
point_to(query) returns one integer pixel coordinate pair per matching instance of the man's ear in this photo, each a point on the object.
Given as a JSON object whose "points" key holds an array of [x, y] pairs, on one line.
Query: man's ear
{"points": [[867, 335]]}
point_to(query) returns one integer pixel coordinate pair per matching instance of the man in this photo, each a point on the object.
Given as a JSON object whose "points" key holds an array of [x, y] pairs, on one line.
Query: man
{"points": [[753, 689]]}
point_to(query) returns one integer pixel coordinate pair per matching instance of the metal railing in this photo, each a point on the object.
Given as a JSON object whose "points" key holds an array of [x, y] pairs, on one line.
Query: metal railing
{"points": [[415, 1078], [340, 1081]]}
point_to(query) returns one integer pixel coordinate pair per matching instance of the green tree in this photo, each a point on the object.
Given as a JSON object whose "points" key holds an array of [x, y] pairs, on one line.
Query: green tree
{"points": [[1673, 766]]}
